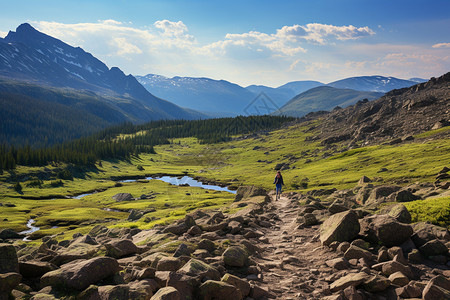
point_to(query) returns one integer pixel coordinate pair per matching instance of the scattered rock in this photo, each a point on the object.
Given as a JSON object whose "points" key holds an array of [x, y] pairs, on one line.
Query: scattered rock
{"points": [[400, 213], [353, 279], [235, 256], [340, 227], [167, 293], [242, 285], [385, 229], [121, 248], [8, 259], [123, 197], [219, 290], [79, 275]]}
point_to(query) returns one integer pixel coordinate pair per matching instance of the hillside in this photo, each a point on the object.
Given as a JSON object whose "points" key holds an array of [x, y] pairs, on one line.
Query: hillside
{"points": [[30, 56], [324, 98], [373, 83], [202, 94], [397, 115]]}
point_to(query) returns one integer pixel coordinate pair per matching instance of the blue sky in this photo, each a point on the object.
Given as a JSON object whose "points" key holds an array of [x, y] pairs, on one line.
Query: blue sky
{"points": [[250, 42]]}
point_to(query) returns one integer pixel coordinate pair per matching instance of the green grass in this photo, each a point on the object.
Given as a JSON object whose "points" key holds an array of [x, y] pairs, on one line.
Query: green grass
{"points": [[434, 210], [238, 162]]}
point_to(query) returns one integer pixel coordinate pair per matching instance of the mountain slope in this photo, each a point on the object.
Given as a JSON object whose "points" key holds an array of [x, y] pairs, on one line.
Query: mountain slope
{"points": [[324, 98], [395, 116], [372, 83], [201, 94], [32, 56]]}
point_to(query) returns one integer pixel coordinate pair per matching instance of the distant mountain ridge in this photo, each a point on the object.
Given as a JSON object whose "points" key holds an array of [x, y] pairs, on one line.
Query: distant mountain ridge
{"points": [[35, 57], [372, 83], [221, 96], [324, 98]]}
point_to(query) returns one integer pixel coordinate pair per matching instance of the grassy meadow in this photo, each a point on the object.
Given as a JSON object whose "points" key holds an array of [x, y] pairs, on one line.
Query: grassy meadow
{"points": [[242, 161]]}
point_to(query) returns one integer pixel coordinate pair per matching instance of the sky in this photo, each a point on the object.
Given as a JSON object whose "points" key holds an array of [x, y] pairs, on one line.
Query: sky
{"points": [[250, 41]]}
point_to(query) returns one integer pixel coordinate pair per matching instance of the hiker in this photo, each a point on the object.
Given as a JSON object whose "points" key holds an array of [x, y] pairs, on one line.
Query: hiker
{"points": [[278, 183]]}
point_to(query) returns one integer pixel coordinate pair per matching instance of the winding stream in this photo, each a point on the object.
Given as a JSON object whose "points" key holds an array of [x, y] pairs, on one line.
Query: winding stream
{"points": [[183, 181], [29, 231]]}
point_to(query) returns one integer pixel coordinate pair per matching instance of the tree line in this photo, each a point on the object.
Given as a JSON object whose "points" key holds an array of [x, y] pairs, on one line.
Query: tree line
{"points": [[123, 141]]}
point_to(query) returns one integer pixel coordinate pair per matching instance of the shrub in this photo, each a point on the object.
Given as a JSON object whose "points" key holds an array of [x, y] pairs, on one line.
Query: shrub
{"points": [[64, 174], [434, 210], [35, 183], [140, 168], [18, 187], [57, 183]]}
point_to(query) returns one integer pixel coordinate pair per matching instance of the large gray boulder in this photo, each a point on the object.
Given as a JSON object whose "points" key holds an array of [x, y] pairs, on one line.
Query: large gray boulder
{"points": [[123, 197], [400, 213], [380, 193], [121, 248], [339, 227], [8, 259], [8, 282], [235, 256], [35, 268], [219, 290], [385, 229], [167, 293], [249, 191], [78, 275], [197, 268]]}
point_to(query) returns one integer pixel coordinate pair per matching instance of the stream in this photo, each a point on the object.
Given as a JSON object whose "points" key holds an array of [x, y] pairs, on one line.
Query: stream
{"points": [[183, 181]]}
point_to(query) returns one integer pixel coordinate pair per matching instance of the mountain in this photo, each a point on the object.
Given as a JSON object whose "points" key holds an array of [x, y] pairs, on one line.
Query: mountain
{"points": [[284, 93], [203, 94], [324, 98], [30, 56], [418, 80], [372, 83], [393, 118], [300, 86]]}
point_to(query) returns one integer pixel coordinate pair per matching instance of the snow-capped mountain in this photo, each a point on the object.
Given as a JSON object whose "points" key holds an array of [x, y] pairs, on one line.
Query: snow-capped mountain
{"points": [[35, 57], [203, 94], [372, 83]]}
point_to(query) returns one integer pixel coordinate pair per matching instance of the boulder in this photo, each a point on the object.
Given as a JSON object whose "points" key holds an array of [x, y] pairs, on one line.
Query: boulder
{"points": [[403, 196], [400, 213], [433, 248], [167, 293], [8, 281], [207, 245], [249, 191], [242, 285], [141, 290], [79, 275], [121, 248], [399, 279], [385, 229], [218, 290], [338, 263], [412, 290], [364, 180], [168, 264], [74, 252], [376, 284], [110, 292], [339, 227], [8, 259], [363, 194], [335, 208], [354, 252], [186, 285], [433, 291], [35, 268], [177, 229], [197, 268], [392, 267], [235, 256], [352, 279], [309, 219], [135, 215], [6, 234], [123, 197], [380, 193], [182, 250]]}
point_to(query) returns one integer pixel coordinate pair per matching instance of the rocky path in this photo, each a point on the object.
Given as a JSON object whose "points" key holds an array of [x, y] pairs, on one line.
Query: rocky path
{"points": [[292, 258]]}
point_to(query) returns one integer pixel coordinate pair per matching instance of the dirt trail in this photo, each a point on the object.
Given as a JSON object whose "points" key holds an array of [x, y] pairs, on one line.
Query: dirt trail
{"points": [[292, 259]]}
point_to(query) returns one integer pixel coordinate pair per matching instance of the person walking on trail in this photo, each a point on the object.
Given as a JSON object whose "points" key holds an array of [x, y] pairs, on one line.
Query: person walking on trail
{"points": [[278, 183]]}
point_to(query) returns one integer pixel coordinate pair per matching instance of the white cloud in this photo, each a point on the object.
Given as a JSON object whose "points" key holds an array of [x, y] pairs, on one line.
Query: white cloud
{"points": [[3, 34], [299, 52], [441, 45]]}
